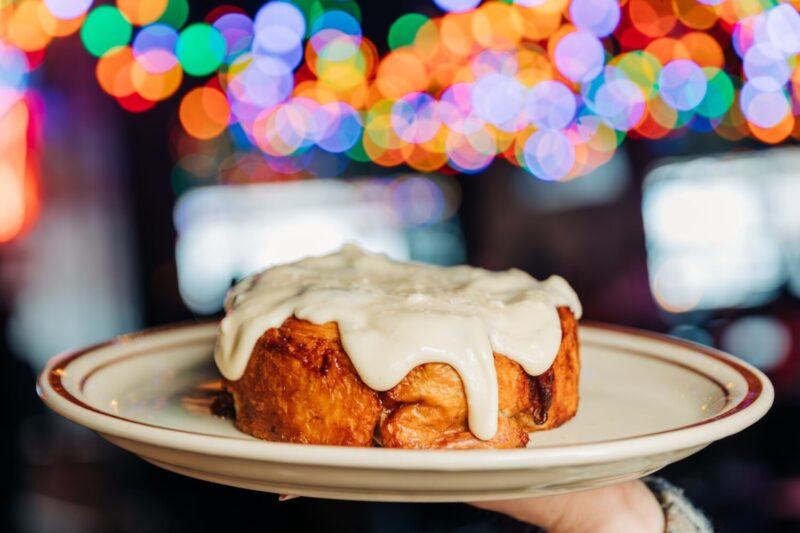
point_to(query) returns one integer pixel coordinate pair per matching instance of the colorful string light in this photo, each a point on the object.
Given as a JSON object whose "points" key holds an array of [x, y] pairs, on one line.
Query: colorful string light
{"points": [[550, 85]]}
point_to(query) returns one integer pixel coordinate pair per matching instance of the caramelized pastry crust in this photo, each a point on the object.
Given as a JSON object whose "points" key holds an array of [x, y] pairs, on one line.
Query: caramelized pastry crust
{"points": [[300, 386]]}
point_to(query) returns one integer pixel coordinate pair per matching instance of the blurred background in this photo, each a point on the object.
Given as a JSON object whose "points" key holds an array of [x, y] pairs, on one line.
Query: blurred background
{"points": [[152, 152]]}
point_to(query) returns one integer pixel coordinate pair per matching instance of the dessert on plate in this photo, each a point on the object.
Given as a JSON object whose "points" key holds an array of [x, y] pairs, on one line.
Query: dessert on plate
{"points": [[356, 349]]}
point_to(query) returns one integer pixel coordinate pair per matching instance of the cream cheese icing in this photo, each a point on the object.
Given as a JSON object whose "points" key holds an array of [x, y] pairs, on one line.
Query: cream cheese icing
{"points": [[394, 316]]}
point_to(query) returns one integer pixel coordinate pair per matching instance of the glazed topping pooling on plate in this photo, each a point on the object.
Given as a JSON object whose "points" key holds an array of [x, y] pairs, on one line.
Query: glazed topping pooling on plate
{"points": [[394, 316]]}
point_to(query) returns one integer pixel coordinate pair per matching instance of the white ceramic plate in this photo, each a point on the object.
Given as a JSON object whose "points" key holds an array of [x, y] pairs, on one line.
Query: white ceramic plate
{"points": [[646, 401]]}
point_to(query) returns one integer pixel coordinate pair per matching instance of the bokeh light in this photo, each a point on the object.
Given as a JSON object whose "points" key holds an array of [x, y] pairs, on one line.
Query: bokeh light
{"points": [[238, 31], [23, 29], [14, 69], [498, 99], [682, 84], [155, 87], [204, 112], [618, 100], [496, 25], [457, 6], [281, 14], [550, 105], [200, 49], [415, 117], [763, 108], [57, 27], [553, 86], [175, 14], [19, 177], [68, 9], [279, 31], [336, 36], [652, 18], [639, 67], [338, 127], [719, 93], [142, 12], [105, 28], [404, 30], [114, 72], [455, 108], [599, 17], [766, 67], [549, 154], [703, 49], [694, 14], [763, 341], [781, 29], [154, 48], [264, 83], [416, 200], [579, 56]]}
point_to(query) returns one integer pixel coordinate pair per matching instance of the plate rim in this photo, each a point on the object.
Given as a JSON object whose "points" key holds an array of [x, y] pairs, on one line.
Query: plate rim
{"points": [[754, 404]]}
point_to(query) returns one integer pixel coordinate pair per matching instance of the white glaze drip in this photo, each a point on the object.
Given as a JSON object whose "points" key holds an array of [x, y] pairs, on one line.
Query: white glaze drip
{"points": [[394, 316]]}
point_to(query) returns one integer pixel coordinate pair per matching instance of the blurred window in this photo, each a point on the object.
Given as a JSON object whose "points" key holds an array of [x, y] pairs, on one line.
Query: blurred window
{"points": [[228, 232], [723, 231]]}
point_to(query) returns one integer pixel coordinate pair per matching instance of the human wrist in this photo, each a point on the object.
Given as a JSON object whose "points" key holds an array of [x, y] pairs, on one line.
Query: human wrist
{"points": [[629, 506], [681, 516]]}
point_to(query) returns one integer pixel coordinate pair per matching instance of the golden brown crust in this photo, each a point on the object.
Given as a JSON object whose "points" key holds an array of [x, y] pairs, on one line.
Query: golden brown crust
{"points": [[428, 409], [420, 426], [563, 390], [300, 386]]}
